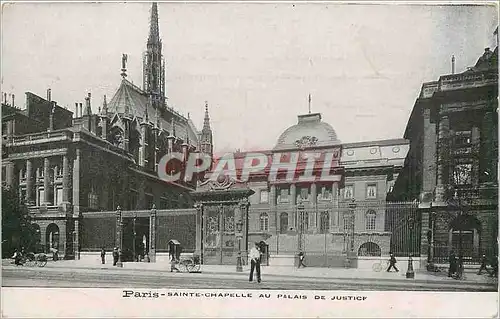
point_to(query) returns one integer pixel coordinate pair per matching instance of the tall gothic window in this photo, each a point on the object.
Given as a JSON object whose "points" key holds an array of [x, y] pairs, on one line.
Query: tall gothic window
{"points": [[283, 223], [324, 227], [264, 222], [371, 218], [462, 174]]}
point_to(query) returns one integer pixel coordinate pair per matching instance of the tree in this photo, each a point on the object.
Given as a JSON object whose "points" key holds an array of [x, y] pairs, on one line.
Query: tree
{"points": [[17, 229]]}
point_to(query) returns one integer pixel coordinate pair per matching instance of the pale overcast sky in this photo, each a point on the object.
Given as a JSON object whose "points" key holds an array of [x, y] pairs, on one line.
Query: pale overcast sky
{"points": [[254, 63]]}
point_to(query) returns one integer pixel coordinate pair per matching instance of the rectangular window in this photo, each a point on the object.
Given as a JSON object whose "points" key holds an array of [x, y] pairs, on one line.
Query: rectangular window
{"points": [[283, 196], [349, 191], [371, 221], [304, 193], [371, 191], [462, 174], [58, 194], [264, 196], [41, 196], [93, 201], [347, 224]]}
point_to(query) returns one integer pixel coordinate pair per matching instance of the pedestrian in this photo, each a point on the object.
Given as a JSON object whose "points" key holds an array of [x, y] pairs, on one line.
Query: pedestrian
{"points": [[483, 265], [103, 255], [392, 263], [301, 259], [255, 262], [17, 257], [453, 264], [494, 266], [115, 256]]}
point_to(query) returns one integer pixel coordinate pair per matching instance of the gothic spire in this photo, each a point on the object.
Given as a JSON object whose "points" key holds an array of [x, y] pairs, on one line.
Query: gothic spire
{"points": [[104, 106], [206, 120], [154, 33]]}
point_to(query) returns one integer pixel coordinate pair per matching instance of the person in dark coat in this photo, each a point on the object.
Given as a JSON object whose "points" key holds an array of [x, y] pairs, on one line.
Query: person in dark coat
{"points": [[494, 267], [115, 256], [255, 256], [483, 265], [301, 259], [453, 264], [392, 263], [103, 256]]}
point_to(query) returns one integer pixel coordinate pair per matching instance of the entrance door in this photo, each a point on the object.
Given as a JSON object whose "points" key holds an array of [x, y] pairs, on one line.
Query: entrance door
{"points": [[212, 254], [219, 238]]}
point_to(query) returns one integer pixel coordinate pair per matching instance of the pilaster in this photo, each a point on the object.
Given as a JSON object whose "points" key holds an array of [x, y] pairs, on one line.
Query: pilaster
{"points": [[29, 182], [46, 181]]}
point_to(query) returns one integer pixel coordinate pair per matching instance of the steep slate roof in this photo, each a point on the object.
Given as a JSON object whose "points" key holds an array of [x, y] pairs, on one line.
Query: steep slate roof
{"points": [[130, 99]]}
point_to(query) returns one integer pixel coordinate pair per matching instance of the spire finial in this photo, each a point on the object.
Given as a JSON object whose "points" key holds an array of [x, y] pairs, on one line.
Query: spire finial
{"points": [[206, 120], [104, 106], [124, 65], [309, 103]]}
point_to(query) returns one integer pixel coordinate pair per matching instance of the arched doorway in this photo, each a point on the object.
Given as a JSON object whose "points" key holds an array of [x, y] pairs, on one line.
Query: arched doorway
{"points": [[464, 237], [369, 249], [52, 238]]}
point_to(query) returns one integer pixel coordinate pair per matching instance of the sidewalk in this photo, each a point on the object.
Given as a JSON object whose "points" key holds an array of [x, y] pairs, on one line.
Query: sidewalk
{"points": [[286, 271]]}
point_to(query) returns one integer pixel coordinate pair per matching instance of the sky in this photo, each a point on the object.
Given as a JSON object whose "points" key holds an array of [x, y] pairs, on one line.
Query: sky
{"points": [[255, 63]]}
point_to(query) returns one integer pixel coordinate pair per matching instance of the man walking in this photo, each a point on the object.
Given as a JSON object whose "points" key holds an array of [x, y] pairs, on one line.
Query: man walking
{"points": [[392, 263], [483, 265], [301, 259], [255, 262], [103, 256], [453, 264], [115, 256]]}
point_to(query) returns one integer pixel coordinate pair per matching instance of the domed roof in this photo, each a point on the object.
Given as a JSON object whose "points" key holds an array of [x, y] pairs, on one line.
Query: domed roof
{"points": [[310, 131]]}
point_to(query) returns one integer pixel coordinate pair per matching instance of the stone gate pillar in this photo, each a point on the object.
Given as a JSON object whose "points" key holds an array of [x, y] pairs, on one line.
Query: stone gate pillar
{"points": [[199, 237], [152, 234]]}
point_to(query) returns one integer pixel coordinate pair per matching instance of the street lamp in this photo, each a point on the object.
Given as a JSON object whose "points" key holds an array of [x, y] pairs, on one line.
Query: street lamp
{"points": [[119, 227], [300, 209], [134, 238], [409, 272], [239, 229], [350, 222]]}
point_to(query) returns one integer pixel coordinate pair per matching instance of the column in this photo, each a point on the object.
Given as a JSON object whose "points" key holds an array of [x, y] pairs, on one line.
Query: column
{"points": [[314, 216], [334, 215], [29, 182], [475, 140], [76, 184], [10, 174], [293, 202], [118, 237], [443, 141], [199, 237], [65, 182], [487, 151], [272, 202], [46, 181], [152, 235]]}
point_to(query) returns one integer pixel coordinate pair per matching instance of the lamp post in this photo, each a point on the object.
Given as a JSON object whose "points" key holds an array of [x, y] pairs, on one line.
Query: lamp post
{"points": [[134, 238], [409, 272], [239, 229], [351, 222], [300, 210], [119, 227]]}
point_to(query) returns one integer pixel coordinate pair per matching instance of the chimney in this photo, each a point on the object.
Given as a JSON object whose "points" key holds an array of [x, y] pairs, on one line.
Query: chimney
{"points": [[5, 98], [452, 64], [76, 110], [13, 97], [81, 110], [49, 97]]}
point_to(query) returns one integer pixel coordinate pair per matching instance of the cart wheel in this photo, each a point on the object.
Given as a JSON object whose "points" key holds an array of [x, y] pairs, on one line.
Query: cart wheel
{"points": [[377, 267], [194, 267], [41, 263]]}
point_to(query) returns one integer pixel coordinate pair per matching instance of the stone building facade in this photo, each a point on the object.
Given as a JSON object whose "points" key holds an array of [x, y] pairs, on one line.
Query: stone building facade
{"points": [[328, 220], [68, 165], [451, 167]]}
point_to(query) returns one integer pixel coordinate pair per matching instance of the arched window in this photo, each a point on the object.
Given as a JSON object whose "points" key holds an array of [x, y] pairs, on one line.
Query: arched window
{"points": [[324, 227], [371, 218], [283, 223], [264, 222], [369, 249]]}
